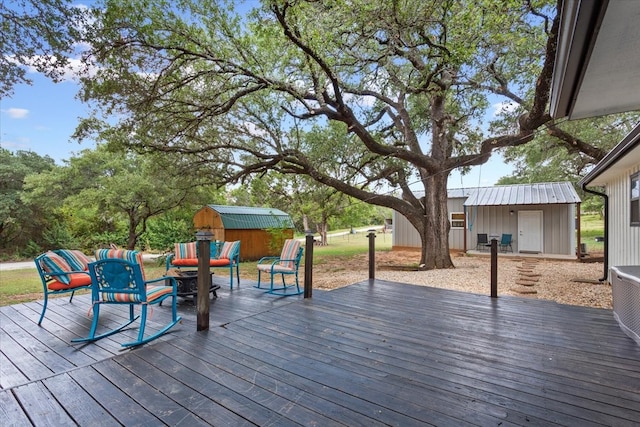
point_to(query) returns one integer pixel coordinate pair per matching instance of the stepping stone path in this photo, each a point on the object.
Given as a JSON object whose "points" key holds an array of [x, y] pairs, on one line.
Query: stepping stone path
{"points": [[527, 277]]}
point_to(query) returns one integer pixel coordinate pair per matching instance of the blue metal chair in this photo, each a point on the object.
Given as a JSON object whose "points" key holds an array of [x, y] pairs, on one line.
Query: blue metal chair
{"points": [[287, 263], [505, 243], [223, 255], [59, 277], [120, 281]]}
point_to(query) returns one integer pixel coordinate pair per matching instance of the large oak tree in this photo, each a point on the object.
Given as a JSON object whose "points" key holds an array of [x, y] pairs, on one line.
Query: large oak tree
{"points": [[40, 35], [413, 84]]}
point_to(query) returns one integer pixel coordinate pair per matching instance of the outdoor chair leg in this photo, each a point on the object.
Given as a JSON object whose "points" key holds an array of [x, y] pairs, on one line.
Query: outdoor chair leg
{"points": [[94, 326], [44, 308]]}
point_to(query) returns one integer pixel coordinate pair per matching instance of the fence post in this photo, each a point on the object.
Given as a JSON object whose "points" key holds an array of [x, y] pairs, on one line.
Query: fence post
{"points": [[203, 237], [308, 265], [494, 268], [372, 254]]}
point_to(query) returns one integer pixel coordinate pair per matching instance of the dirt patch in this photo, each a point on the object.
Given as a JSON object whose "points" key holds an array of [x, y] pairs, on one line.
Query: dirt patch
{"points": [[566, 282]]}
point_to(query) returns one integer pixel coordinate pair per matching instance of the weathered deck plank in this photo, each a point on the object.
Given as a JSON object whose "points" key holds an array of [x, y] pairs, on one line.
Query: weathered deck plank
{"points": [[381, 354]]}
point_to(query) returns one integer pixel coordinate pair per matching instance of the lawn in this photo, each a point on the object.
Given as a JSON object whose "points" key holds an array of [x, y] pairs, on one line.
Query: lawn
{"points": [[592, 226]]}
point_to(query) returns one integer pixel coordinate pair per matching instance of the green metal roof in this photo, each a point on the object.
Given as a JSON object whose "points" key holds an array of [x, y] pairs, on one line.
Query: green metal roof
{"points": [[246, 217]]}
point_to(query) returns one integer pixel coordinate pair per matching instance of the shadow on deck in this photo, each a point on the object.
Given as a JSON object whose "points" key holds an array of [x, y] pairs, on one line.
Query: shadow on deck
{"points": [[367, 354]]}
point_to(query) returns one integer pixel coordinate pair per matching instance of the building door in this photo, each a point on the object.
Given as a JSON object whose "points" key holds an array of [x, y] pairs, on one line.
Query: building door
{"points": [[530, 231]]}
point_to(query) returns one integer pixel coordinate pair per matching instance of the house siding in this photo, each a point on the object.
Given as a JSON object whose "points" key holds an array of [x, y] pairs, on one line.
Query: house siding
{"points": [[558, 234], [624, 240], [405, 235]]}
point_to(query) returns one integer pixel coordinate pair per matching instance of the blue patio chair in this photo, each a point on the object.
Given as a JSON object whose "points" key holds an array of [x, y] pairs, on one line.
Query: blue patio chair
{"points": [[117, 277], [287, 263], [62, 271], [505, 243], [222, 255]]}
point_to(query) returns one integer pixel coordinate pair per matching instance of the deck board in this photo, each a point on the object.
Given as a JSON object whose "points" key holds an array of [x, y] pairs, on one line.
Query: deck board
{"points": [[373, 353]]}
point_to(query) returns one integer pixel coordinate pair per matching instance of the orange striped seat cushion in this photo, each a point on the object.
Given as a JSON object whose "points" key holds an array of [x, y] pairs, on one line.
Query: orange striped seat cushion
{"points": [[153, 293], [193, 262], [75, 280]]}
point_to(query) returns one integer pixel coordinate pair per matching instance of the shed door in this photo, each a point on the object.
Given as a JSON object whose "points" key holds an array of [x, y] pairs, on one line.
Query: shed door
{"points": [[530, 231]]}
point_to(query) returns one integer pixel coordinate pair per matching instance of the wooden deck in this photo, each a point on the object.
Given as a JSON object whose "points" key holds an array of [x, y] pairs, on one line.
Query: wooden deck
{"points": [[381, 354]]}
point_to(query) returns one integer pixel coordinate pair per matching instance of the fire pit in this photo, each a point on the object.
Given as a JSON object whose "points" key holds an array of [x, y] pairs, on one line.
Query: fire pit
{"points": [[188, 284]]}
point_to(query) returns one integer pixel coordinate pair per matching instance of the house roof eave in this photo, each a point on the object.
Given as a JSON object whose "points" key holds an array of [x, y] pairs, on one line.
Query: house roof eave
{"points": [[627, 150]]}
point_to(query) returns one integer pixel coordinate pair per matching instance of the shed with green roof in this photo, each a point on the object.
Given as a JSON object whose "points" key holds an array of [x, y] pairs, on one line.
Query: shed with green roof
{"points": [[261, 231]]}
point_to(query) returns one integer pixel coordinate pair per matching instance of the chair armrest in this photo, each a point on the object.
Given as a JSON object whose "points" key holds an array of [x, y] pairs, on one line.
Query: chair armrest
{"points": [[268, 258], [169, 263], [163, 279]]}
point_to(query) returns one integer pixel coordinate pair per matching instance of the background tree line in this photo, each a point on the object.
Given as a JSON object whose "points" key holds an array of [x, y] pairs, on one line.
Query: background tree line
{"points": [[102, 197]]}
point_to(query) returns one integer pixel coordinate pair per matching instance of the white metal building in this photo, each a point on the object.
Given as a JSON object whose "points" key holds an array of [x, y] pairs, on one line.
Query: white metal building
{"points": [[619, 174], [540, 217]]}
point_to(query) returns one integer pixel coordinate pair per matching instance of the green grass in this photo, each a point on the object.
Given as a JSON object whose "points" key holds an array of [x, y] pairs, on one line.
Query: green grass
{"points": [[592, 226]]}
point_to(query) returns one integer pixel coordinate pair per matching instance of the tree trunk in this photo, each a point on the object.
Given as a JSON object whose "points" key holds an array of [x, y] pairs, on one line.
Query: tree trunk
{"points": [[322, 229], [433, 226], [132, 238]]}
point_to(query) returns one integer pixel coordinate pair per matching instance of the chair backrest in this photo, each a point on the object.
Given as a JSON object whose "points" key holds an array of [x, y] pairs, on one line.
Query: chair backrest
{"points": [[117, 280], [290, 253], [506, 239], [77, 260], [123, 254], [51, 262], [185, 250], [483, 238], [230, 250]]}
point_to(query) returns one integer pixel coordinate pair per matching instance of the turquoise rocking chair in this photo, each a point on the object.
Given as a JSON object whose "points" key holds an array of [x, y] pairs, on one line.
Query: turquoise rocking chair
{"points": [[287, 263], [121, 281]]}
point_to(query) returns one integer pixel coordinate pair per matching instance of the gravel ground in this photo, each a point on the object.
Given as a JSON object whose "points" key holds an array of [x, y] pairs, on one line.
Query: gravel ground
{"points": [[566, 282]]}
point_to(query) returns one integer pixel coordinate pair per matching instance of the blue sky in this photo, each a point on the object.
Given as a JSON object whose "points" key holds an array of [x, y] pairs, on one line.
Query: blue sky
{"points": [[43, 116]]}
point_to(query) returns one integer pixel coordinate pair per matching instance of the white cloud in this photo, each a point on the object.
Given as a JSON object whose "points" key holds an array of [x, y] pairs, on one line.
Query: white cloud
{"points": [[504, 107], [17, 113]]}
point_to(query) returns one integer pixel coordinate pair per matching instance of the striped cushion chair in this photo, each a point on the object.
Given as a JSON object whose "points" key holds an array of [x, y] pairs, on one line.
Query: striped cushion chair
{"points": [[117, 277], [58, 276], [287, 263], [228, 257], [222, 254], [185, 255]]}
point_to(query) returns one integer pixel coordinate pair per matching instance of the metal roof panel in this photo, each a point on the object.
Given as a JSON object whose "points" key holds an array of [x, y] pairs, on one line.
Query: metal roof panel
{"points": [[246, 217], [524, 194]]}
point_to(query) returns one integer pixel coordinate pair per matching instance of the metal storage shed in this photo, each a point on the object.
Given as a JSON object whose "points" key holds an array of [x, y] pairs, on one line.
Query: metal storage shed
{"points": [[540, 217], [260, 230]]}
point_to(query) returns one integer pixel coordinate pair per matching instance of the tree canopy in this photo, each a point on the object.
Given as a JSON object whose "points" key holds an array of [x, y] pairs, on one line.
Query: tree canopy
{"points": [[16, 218], [411, 86], [38, 34], [113, 185]]}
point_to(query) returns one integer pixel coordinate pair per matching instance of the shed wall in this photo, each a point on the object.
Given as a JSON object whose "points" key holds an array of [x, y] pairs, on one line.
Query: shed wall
{"points": [[207, 218], [558, 227], [624, 240], [405, 235], [254, 243], [558, 231]]}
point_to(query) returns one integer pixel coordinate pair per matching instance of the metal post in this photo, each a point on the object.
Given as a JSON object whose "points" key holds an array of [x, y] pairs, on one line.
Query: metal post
{"points": [[308, 265], [203, 237], [494, 268], [372, 254]]}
